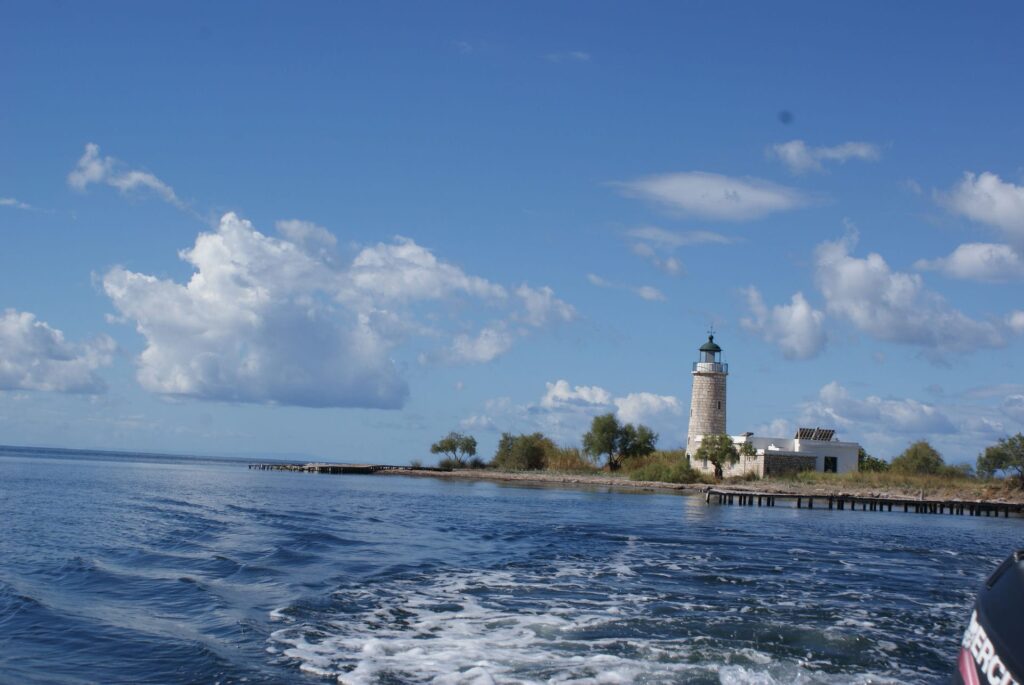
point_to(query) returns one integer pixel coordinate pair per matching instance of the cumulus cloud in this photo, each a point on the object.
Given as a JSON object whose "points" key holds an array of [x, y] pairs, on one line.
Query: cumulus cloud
{"points": [[488, 344], [560, 394], [797, 328], [35, 356], [645, 292], [275, 320], [92, 168], [13, 202], [988, 199], [992, 262], [800, 157], [908, 417], [714, 196], [541, 306], [306, 233], [894, 306], [403, 271], [641, 407], [565, 411], [255, 323]]}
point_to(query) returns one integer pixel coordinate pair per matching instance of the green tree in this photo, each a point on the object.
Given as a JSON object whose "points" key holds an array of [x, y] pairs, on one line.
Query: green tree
{"points": [[456, 446], [865, 462], [920, 457], [1006, 456], [523, 452], [719, 450], [603, 438], [636, 441], [747, 449]]}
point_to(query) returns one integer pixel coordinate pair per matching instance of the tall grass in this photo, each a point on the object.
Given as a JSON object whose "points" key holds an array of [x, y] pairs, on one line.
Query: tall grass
{"points": [[568, 459], [662, 466], [949, 483]]}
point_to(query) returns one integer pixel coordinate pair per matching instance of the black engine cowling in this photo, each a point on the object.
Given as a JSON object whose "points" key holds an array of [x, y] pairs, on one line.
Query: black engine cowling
{"points": [[992, 650]]}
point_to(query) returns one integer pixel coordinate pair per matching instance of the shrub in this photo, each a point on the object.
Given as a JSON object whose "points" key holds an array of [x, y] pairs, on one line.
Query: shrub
{"points": [[416, 464], [450, 463], [523, 452], [662, 467], [919, 458]]}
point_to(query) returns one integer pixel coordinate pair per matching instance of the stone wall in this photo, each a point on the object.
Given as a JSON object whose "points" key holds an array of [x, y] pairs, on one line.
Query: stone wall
{"points": [[782, 464], [707, 406]]}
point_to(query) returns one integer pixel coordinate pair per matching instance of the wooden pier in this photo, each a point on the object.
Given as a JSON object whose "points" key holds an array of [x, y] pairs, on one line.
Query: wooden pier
{"points": [[365, 469], [841, 502]]}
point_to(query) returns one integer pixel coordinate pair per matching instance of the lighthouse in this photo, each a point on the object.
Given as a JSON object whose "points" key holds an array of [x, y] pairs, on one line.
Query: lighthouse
{"points": [[707, 401]]}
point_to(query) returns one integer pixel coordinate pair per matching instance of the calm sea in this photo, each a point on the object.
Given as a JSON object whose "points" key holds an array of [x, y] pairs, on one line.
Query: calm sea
{"points": [[145, 569]]}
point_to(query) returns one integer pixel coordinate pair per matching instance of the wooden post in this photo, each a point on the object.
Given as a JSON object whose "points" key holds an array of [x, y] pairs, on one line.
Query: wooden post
{"points": [[799, 502], [759, 500]]}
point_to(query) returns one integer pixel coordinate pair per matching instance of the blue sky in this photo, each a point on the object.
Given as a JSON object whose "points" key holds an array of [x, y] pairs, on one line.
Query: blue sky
{"points": [[344, 230]]}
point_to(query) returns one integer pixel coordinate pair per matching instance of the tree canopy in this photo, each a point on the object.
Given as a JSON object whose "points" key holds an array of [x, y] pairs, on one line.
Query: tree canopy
{"points": [[618, 441], [865, 462], [456, 446], [719, 450], [920, 457], [1006, 456], [523, 452], [603, 436]]}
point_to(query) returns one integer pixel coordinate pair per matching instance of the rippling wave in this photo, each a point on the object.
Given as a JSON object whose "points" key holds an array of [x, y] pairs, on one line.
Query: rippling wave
{"points": [[190, 571]]}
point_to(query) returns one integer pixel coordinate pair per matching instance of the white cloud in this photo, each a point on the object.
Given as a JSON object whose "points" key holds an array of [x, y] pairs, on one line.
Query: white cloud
{"points": [[306, 233], [404, 271], [255, 323], [988, 199], [894, 306], [565, 411], [657, 244], [645, 292], [990, 262], [92, 168], [542, 306], [645, 407], [666, 238], [1015, 320], [908, 417], [797, 328], [273, 320], [13, 202], [776, 428], [490, 343], [714, 196], [571, 56], [561, 394], [35, 356], [800, 158], [478, 423]]}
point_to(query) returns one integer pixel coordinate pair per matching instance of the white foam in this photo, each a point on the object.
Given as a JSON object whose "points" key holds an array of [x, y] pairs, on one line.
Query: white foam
{"points": [[477, 628]]}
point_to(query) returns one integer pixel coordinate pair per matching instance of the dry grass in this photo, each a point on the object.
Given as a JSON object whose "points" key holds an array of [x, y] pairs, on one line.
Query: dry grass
{"points": [[569, 460], [905, 484]]}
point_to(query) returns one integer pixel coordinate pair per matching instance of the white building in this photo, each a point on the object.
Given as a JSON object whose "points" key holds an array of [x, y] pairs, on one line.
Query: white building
{"points": [[810, 449]]}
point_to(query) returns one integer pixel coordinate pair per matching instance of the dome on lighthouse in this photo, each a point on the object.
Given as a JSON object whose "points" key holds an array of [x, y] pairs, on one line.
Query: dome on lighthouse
{"points": [[710, 345]]}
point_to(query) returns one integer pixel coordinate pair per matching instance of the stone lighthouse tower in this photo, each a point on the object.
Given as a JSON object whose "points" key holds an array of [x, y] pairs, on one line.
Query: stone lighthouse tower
{"points": [[707, 403]]}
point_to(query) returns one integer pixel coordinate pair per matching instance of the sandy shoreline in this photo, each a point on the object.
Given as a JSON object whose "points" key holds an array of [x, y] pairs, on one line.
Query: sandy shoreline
{"points": [[779, 487]]}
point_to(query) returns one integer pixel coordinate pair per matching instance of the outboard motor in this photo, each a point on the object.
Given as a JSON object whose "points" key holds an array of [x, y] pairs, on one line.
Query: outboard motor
{"points": [[992, 651]]}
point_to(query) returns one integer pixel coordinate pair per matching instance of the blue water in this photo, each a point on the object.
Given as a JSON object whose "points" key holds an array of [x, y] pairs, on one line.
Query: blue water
{"points": [[142, 569]]}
